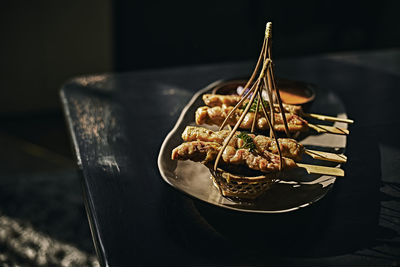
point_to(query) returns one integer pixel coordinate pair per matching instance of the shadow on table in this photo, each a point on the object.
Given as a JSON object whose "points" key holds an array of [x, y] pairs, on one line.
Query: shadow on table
{"points": [[345, 221]]}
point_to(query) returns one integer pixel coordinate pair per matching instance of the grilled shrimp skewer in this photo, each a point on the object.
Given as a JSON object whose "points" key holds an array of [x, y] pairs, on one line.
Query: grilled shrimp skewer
{"points": [[216, 115], [207, 151], [265, 162], [290, 148], [215, 100]]}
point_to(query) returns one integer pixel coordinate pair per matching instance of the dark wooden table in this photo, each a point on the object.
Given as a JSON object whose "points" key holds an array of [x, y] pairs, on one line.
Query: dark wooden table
{"points": [[118, 122]]}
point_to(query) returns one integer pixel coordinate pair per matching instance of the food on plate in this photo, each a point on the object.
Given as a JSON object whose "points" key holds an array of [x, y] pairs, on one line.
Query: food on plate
{"points": [[206, 152], [216, 116], [290, 148], [215, 100], [248, 160], [244, 164]]}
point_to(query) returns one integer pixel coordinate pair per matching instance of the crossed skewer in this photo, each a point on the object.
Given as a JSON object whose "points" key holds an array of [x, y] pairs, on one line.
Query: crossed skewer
{"points": [[267, 156], [266, 81]]}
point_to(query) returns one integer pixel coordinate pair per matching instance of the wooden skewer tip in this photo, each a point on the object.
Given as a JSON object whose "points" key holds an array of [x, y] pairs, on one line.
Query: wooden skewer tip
{"points": [[268, 30], [321, 155], [328, 129], [328, 118], [323, 170]]}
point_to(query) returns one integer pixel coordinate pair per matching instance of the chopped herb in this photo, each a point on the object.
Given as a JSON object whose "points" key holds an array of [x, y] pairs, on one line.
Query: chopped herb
{"points": [[254, 105], [248, 141]]}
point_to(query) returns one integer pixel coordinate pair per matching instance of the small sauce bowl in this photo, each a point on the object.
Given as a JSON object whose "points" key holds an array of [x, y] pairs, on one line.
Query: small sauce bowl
{"points": [[291, 92]]}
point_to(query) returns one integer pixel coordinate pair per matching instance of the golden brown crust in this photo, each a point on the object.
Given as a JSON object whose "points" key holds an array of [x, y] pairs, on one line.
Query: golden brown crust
{"points": [[290, 148], [213, 100], [216, 115], [204, 152]]}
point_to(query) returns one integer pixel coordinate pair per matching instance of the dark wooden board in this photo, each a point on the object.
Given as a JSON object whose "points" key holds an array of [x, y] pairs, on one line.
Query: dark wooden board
{"points": [[118, 121]]}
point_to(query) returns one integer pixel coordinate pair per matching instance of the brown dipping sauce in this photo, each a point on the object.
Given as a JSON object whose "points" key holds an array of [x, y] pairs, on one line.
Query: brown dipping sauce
{"points": [[291, 92], [295, 93]]}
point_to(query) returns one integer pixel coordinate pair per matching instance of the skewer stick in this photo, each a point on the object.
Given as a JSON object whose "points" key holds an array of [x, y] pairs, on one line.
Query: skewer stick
{"points": [[237, 106], [264, 109], [302, 113], [327, 118], [271, 108], [278, 97], [323, 170], [321, 155], [255, 89], [271, 79], [255, 115], [266, 76], [226, 142], [253, 75], [268, 85], [269, 89], [328, 129], [316, 154]]}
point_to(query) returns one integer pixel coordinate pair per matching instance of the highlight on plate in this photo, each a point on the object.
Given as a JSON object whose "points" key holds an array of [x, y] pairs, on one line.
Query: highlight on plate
{"points": [[246, 155]]}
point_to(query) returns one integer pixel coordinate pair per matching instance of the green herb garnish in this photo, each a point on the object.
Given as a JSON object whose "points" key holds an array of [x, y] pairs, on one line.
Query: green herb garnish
{"points": [[248, 141], [254, 105]]}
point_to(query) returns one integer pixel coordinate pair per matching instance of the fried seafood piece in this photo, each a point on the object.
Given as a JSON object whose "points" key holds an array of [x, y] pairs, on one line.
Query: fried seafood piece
{"points": [[213, 100], [216, 116], [290, 148], [196, 151], [194, 133], [205, 152]]}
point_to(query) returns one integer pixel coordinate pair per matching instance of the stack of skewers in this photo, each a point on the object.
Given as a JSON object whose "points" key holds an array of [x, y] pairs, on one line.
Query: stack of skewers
{"points": [[244, 164]]}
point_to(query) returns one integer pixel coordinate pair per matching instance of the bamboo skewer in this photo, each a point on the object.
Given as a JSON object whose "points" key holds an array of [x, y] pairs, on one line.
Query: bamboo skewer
{"points": [[327, 118], [255, 88], [328, 129], [250, 162], [199, 132], [255, 117], [268, 83], [278, 97], [208, 159], [253, 75], [224, 123], [323, 170], [266, 76], [321, 155], [304, 114], [264, 109]]}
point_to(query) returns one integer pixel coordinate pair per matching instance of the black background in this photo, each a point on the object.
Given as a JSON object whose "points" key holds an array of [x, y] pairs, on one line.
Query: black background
{"points": [[152, 34]]}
